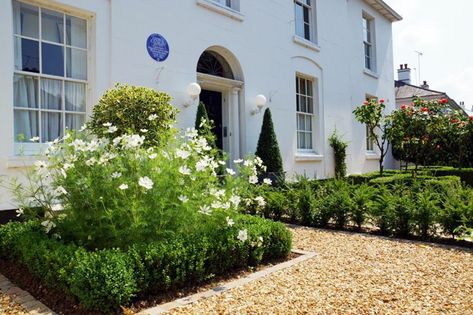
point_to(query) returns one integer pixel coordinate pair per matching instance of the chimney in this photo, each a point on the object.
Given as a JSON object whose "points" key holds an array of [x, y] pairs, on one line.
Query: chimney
{"points": [[404, 74], [425, 85]]}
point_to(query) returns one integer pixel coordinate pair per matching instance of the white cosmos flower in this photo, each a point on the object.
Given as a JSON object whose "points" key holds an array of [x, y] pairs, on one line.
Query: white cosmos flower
{"points": [[59, 191], [144, 130], [230, 221], [235, 200], [116, 175], [48, 225], [134, 141], [261, 202], [117, 140], [226, 206], [68, 166], [205, 210], [230, 171], [145, 182], [182, 154], [20, 212], [152, 156], [107, 124], [253, 179], [123, 187], [267, 181], [201, 165], [112, 129], [152, 117], [34, 139], [238, 161], [242, 235], [91, 161], [40, 165], [184, 170], [84, 126], [248, 163], [183, 198], [216, 205]]}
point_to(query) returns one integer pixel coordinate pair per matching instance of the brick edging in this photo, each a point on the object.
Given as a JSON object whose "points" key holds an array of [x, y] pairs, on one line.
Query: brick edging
{"points": [[163, 308], [23, 298]]}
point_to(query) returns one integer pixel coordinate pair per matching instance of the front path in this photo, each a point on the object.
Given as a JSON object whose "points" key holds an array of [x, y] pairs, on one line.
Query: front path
{"points": [[356, 274]]}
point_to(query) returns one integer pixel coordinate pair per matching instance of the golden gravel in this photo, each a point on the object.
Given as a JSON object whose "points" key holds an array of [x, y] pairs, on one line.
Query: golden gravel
{"points": [[8, 307], [356, 274]]}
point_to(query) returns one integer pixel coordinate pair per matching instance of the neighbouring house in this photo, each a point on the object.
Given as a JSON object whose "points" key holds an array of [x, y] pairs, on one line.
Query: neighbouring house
{"points": [[406, 91], [310, 61]]}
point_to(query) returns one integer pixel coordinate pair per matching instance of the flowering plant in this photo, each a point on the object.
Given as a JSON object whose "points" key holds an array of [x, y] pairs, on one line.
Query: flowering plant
{"points": [[371, 113], [103, 193]]}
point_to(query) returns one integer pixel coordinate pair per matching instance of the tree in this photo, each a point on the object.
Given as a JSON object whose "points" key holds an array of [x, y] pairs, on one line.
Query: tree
{"points": [[268, 148], [371, 113]]}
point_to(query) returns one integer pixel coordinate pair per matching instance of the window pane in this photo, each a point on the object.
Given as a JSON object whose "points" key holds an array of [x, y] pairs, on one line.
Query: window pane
{"points": [[303, 104], [52, 26], [26, 55], [76, 64], [299, 19], [75, 96], [74, 122], [308, 123], [309, 88], [53, 59], [26, 124], [25, 91], [302, 87], [301, 122], [310, 105], [51, 94], [51, 126], [76, 32], [308, 140], [25, 20]]}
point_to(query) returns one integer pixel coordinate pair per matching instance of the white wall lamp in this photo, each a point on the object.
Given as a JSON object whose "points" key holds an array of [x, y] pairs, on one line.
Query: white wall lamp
{"points": [[260, 101], [193, 91]]}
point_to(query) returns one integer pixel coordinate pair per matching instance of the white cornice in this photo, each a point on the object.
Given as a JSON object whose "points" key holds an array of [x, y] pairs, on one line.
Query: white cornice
{"points": [[385, 10]]}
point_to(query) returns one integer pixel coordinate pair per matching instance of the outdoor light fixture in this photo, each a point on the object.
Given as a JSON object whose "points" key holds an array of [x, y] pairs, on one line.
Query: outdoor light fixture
{"points": [[193, 90], [260, 101]]}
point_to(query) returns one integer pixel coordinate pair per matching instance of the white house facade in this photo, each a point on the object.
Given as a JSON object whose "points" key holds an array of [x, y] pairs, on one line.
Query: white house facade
{"points": [[312, 60]]}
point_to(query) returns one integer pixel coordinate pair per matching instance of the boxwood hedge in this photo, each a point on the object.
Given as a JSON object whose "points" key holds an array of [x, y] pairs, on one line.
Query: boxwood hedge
{"points": [[106, 279]]}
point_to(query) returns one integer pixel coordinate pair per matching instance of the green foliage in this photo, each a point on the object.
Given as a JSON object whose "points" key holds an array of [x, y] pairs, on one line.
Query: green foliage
{"points": [[204, 125], [268, 148], [129, 109], [106, 279], [340, 153], [362, 200]]}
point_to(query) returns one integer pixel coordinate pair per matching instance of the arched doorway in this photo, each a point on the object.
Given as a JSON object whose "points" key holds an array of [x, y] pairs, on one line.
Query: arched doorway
{"points": [[219, 74]]}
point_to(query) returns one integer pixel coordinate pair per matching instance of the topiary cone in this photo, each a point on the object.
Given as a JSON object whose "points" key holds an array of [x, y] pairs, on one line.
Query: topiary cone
{"points": [[268, 148]]}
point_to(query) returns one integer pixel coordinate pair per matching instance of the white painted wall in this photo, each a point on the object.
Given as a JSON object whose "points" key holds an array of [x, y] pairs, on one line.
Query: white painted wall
{"points": [[264, 47]]}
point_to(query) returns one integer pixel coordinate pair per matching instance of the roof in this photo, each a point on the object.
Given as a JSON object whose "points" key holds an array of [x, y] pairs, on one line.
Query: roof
{"points": [[406, 92], [385, 10]]}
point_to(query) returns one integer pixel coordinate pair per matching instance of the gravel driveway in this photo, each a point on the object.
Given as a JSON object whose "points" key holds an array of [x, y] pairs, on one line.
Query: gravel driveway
{"points": [[356, 274]]}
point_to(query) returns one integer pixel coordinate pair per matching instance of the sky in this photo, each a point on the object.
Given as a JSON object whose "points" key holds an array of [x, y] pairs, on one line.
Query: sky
{"points": [[443, 32]]}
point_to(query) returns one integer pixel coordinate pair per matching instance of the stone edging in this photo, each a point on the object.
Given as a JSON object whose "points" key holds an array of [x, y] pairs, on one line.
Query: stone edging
{"points": [[23, 298], [163, 308]]}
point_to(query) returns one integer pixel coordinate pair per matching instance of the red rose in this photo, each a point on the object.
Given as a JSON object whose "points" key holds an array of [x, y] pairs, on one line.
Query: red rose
{"points": [[471, 117], [443, 101], [403, 106], [381, 101], [454, 121], [365, 103], [424, 109]]}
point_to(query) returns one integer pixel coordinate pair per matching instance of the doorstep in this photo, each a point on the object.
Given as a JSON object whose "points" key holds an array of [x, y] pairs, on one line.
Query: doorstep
{"points": [[163, 308]]}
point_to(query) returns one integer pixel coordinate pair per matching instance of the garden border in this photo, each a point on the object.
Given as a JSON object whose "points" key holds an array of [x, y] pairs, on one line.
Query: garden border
{"points": [[23, 298], [163, 308]]}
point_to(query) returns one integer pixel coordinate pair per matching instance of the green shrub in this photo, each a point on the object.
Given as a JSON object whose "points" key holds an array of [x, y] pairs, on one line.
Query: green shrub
{"points": [[362, 197], [106, 279], [276, 204], [129, 109], [465, 174], [382, 210], [425, 212], [268, 149], [340, 153]]}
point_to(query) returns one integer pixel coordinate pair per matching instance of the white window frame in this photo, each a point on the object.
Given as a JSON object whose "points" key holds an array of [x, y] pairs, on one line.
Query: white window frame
{"points": [[229, 8], [369, 42], [230, 4], [306, 114], [312, 20], [28, 148]]}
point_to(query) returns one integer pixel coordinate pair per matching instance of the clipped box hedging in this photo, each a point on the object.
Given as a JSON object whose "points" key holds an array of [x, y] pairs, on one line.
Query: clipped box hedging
{"points": [[465, 174], [106, 279]]}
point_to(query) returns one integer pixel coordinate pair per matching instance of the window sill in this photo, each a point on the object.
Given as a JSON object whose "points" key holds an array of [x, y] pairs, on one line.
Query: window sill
{"points": [[370, 73], [21, 161], [208, 4], [306, 43], [372, 156], [308, 157]]}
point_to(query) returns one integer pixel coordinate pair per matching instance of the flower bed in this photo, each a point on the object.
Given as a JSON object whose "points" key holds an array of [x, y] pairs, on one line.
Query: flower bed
{"points": [[108, 278]]}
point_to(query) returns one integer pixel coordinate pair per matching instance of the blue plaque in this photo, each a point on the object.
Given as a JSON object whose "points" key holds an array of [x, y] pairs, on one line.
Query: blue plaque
{"points": [[158, 47]]}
